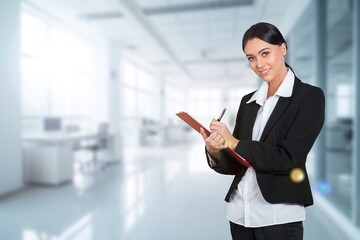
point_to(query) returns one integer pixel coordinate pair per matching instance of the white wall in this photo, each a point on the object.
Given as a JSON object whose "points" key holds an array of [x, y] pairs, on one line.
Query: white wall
{"points": [[10, 116]]}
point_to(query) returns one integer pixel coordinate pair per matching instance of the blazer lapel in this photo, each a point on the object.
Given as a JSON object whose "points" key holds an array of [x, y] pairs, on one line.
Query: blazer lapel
{"points": [[250, 113], [275, 115], [280, 107]]}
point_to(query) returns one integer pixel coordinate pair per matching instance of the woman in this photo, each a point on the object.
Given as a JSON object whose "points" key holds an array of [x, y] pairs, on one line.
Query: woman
{"points": [[276, 126]]}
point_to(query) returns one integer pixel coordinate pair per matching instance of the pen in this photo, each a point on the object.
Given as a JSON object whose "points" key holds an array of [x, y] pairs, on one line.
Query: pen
{"points": [[221, 115]]}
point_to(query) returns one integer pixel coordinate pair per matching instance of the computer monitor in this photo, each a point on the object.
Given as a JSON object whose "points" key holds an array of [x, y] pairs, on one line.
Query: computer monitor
{"points": [[52, 124], [103, 128]]}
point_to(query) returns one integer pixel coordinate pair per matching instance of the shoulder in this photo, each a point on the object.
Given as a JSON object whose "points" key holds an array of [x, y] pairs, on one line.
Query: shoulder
{"points": [[308, 92], [306, 89]]}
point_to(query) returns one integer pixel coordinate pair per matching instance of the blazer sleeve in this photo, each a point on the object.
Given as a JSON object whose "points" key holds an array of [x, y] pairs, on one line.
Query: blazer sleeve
{"points": [[291, 149], [227, 164]]}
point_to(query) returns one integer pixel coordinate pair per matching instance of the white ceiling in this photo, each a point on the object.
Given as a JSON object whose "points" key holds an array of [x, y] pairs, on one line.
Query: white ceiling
{"points": [[191, 40]]}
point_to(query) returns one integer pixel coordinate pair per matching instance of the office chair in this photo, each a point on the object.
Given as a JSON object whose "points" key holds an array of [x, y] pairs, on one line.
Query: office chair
{"points": [[95, 145]]}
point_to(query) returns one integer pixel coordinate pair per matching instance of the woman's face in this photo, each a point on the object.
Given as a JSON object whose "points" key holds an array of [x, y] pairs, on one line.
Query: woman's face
{"points": [[266, 60]]}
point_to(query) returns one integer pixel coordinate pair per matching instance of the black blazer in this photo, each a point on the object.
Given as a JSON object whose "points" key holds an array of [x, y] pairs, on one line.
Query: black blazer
{"points": [[285, 142]]}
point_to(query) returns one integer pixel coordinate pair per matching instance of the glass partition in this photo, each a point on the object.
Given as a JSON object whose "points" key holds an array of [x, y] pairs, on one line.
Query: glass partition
{"points": [[339, 124], [331, 170]]}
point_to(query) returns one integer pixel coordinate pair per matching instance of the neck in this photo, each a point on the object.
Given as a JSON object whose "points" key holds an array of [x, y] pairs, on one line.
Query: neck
{"points": [[275, 84]]}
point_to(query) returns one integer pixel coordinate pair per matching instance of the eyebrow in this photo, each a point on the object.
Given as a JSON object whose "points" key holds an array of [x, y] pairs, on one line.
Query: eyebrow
{"points": [[259, 51]]}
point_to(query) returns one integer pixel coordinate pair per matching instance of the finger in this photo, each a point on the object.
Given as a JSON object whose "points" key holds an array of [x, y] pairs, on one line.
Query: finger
{"points": [[213, 140], [217, 127], [216, 123], [203, 134], [212, 135], [217, 138], [213, 123]]}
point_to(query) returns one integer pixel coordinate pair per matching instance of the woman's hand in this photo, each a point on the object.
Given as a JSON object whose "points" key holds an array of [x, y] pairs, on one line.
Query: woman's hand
{"points": [[220, 138], [225, 136], [213, 143]]}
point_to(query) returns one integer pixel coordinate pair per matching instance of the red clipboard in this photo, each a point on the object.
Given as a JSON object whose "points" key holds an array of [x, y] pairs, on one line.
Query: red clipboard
{"points": [[196, 126]]}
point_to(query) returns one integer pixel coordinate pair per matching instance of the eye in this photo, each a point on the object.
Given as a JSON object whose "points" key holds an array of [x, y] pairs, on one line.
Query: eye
{"points": [[264, 54], [250, 59]]}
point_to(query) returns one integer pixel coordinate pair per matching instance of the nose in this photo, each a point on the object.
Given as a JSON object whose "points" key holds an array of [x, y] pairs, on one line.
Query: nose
{"points": [[259, 63]]}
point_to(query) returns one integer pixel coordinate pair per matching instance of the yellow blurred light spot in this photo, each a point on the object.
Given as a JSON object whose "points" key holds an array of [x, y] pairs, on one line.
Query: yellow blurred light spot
{"points": [[297, 175]]}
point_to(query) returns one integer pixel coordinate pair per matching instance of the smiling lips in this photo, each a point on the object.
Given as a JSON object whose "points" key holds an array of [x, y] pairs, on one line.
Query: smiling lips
{"points": [[265, 72]]}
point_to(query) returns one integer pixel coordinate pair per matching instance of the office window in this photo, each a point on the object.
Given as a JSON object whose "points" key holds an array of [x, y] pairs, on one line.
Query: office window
{"points": [[69, 52], [33, 35], [140, 91], [343, 100], [130, 102], [147, 105], [34, 83], [71, 78], [234, 97], [71, 95], [139, 99], [34, 72], [205, 103], [145, 81], [129, 74], [174, 102], [339, 115], [56, 70]]}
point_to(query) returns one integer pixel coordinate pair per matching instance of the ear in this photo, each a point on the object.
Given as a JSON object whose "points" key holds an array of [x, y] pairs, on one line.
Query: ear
{"points": [[283, 49]]}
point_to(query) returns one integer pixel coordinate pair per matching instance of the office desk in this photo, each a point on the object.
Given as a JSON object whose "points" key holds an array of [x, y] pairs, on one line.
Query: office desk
{"points": [[48, 157]]}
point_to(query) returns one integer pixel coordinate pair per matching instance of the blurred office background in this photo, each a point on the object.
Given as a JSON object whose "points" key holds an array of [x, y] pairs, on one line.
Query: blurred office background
{"points": [[90, 144]]}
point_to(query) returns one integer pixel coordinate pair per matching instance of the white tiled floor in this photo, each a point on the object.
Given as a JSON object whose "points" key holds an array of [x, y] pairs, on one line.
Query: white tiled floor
{"points": [[156, 193]]}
